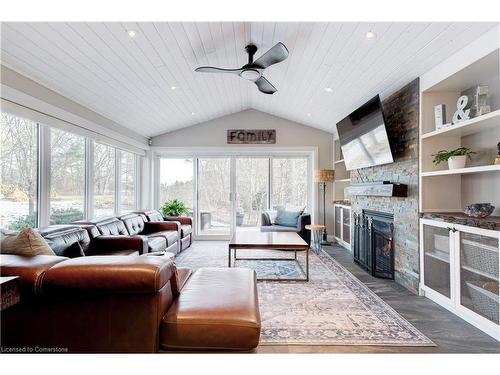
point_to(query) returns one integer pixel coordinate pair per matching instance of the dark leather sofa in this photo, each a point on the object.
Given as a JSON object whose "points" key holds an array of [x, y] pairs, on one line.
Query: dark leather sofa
{"points": [[131, 230], [185, 224], [102, 304]]}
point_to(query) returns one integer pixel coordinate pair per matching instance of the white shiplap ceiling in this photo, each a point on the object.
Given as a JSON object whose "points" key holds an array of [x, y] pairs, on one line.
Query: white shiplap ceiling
{"points": [[129, 80]]}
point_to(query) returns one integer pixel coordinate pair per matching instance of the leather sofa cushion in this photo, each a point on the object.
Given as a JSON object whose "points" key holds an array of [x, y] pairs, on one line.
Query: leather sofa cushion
{"points": [[116, 274], [29, 269], [154, 215], [63, 240], [134, 223], [157, 244], [186, 230], [217, 309], [171, 236], [112, 226]]}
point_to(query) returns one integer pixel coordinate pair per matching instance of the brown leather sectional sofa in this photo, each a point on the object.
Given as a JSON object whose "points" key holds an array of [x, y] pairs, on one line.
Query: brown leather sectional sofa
{"points": [[129, 304], [143, 232], [185, 225], [143, 303]]}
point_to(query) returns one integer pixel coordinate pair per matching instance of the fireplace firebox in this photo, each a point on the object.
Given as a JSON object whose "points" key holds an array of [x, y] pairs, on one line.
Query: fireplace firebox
{"points": [[373, 243]]}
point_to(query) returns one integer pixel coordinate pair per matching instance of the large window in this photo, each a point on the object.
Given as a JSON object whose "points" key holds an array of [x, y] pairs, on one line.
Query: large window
{"points": [[176, 180], [104, 180], [48, 175], [18, 180], [67, 177], [289, 182], [127, 182]]}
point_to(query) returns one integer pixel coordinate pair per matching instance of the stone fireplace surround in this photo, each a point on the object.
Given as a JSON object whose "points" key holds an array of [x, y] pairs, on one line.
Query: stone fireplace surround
{"points": [[401, 111]]}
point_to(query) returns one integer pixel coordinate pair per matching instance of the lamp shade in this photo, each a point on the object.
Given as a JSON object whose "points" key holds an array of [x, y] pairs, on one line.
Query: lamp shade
{"points": [[324, 175]]}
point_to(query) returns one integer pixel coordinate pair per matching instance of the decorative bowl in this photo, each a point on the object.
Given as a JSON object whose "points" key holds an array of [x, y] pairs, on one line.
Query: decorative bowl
{"points": [[479, 210]]}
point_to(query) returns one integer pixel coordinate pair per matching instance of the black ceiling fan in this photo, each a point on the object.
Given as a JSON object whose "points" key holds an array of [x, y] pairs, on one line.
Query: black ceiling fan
{"points": [[254, 69]]}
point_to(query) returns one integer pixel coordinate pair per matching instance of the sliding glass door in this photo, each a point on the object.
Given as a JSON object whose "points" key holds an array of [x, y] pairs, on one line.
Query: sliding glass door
{"points": [[252, 190], [231, 192], [214, 192]]}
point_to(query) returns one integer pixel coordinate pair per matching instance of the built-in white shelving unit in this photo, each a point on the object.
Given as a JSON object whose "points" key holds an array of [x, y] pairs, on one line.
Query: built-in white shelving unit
{"points": [[342, 208], [342, 176], [448, 190], [459, 256]]}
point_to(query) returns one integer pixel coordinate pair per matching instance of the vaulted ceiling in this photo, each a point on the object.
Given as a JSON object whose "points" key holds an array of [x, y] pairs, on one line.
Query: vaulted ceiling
{"points": [[148, 84]]}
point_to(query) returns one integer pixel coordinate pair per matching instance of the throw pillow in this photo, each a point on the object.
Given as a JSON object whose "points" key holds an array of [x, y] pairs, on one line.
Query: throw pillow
{"points": [[287, 218], [73, 251], [28, 243], [289, 207]]}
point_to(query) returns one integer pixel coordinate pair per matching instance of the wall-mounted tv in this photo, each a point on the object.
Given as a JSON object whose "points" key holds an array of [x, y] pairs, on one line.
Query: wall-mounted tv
{"points": [[363, 137]]}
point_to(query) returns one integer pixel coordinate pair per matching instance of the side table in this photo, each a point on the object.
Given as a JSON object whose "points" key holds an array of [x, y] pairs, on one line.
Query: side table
{"points": [[316, 236], [9, 291]]}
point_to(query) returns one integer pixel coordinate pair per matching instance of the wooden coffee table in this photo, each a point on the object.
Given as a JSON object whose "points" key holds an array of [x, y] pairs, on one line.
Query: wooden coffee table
{"points": [[257, 240]]}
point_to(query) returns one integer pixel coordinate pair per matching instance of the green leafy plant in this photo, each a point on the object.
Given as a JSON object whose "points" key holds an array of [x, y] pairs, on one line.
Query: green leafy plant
{"points": [[174, 207], [443, 155]]}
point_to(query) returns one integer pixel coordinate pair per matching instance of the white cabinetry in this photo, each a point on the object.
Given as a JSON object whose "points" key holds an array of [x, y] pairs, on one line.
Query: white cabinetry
{"points": [[459, 268], [343, 225]]}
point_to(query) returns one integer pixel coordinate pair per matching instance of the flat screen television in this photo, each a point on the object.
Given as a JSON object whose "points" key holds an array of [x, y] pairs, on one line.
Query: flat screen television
{"points": [[363, 137]]}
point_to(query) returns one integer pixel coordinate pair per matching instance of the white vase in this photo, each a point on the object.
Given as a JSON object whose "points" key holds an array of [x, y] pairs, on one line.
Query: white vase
{"points": [[456, 162]]}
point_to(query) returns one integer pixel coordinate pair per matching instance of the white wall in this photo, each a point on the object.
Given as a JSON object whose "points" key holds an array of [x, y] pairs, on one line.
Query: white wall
{"points": [[288, 135]]}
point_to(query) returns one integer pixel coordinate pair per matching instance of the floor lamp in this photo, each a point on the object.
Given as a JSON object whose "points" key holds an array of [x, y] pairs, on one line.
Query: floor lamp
{"points": [[323, 176]]}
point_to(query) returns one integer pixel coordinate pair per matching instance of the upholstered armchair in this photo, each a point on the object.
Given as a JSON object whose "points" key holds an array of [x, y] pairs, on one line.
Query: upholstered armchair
{"points": [[267, 225]]}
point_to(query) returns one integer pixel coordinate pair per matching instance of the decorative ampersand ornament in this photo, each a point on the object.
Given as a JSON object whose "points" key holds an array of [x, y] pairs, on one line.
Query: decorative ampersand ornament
{"points": [[460, 114]]}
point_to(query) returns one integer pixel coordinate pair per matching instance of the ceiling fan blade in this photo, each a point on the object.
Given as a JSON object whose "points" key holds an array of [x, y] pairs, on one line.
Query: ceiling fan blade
{"points": [[275, 55], [212, 69], [265, 86]]}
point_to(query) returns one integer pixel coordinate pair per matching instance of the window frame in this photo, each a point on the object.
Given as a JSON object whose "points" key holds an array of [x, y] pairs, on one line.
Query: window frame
{"points": [[43, 166]]}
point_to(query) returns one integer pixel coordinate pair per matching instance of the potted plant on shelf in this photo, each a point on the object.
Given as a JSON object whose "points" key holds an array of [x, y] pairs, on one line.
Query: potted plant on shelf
{"points": [[174, 207], [456, 158]]}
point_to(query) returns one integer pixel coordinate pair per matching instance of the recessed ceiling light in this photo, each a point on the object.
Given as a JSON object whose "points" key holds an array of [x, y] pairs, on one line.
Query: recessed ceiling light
{"points": [[371, 35], [328, 89], [309, 114], [131, 33], [173, 87], [192, 113]]}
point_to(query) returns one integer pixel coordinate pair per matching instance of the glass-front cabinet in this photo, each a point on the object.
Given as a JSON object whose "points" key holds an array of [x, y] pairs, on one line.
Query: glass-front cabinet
{"points": [[436, 250], [459, 269], [342, 225], [479, 274]]}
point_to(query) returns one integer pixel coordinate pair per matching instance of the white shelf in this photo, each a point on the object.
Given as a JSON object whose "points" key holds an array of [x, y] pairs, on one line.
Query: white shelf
{"points": [[338, 161], [475, 125], [479, 272], [439, 255], [480, 169], [344, 180]]}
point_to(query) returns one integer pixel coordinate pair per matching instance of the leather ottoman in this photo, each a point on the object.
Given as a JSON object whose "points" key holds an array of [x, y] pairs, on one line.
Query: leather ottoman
{"points": [[217, 309]]}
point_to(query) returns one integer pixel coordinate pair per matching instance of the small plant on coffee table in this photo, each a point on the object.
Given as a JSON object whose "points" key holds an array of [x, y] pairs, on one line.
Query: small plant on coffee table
{"points": [[443, 155], [174, 207]]}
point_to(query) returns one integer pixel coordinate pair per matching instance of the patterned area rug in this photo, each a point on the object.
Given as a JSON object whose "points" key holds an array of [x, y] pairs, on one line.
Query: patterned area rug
{"points": [[333, 308]]}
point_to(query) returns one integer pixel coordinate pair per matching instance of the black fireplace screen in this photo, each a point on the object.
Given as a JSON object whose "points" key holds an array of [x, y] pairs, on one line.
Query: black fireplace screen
{"points": [[373, 243]]}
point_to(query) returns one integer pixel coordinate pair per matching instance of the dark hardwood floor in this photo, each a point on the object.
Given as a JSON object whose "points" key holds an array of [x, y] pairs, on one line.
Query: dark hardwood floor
{"points": [[450, 333]]}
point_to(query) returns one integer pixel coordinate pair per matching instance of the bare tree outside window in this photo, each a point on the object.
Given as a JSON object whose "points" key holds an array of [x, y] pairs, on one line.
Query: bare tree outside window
{"points": [[18, 167], [67, 177], [127, 182], [289, 182], [176, 180], [104, 180]]}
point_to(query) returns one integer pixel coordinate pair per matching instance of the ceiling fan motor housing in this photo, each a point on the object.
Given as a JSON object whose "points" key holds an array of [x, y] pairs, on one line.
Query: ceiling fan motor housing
{"points": [[250, 74]]}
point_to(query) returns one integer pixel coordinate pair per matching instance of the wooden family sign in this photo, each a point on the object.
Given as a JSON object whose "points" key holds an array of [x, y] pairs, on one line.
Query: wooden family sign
{"points": [[251, 136]]}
